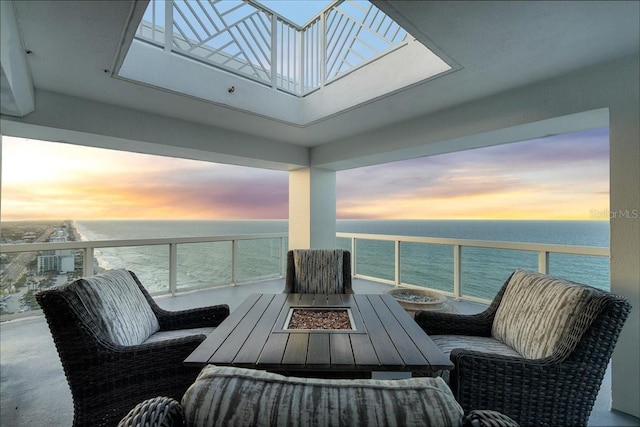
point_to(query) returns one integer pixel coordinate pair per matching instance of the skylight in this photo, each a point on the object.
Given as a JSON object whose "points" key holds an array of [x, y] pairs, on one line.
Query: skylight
{"points": [[249, 39]]}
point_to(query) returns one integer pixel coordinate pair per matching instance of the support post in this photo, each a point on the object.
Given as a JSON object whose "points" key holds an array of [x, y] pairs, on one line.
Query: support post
{"points": [[312, 209]]}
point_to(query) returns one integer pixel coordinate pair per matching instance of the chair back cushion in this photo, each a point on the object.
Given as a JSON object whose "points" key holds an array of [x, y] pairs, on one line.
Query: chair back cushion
{"points": [[118, 306], [318, 271], [227, 396], [537, 311]]}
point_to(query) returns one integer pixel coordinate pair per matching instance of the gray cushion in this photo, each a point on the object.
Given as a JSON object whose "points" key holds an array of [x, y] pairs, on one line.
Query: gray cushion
{"points": [[536, 312], [318, 271], [224, 396], [446, 343], [178, 333], [114, 300]]}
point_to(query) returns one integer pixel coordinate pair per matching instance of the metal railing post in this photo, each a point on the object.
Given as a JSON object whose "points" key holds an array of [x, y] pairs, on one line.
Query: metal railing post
{"points": [[323, 49], [274, 52], [173, 268], [301, 53], [283, 257], [168, 25], [543, 262], [234, 264], [397, 262], [354, 257], [88, 267], [457, 271]]}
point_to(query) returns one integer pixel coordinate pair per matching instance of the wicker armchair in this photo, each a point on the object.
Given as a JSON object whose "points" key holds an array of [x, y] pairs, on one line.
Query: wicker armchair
{"points": [[558, 387], [108, 378], [322, 271]]}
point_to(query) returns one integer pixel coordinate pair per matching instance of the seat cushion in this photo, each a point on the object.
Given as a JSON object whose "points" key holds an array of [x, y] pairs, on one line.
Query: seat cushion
{"points": [[446, 343], [116, 303], [537, 311], [178, 333], [223, 396], [318, 271]]}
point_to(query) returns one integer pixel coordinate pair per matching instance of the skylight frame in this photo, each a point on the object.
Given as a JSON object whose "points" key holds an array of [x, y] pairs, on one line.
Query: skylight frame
{"points": [[309, 59]]}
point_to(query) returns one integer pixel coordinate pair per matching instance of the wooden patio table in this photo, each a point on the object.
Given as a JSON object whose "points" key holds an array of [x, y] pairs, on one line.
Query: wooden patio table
{"points": [[383, 338]]}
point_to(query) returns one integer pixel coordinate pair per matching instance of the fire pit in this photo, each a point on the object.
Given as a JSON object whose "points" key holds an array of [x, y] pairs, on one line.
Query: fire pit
{"points": [[319, 319], [413, 300]]}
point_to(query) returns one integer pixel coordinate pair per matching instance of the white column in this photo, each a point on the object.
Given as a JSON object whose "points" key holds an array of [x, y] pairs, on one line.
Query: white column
{"points": [[624, 146], [312, 209]]}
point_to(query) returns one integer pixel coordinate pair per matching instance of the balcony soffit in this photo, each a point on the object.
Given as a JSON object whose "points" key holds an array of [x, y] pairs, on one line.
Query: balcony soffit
{"points": [[500, 46]]}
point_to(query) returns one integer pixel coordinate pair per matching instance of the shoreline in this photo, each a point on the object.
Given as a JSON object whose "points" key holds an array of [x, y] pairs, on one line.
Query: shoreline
{"points": [[79, 238]]}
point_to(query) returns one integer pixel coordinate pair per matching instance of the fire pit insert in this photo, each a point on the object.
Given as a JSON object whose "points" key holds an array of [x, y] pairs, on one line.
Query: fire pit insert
{"points": [[319, 319]]}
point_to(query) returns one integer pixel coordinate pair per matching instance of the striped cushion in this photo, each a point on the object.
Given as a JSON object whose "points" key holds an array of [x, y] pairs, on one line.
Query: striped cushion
{"points": [[318, 271], [536, 312], [114, 300], [224, 396], [446, 343]]}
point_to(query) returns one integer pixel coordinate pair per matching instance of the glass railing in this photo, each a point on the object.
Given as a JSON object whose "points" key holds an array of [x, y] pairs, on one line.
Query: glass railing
{"points": [[471, 270], [164, 265], [468, 269]]}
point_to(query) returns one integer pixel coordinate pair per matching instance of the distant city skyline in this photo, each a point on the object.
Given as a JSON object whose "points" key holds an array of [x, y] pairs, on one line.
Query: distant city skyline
{"points": [[558, 177]]}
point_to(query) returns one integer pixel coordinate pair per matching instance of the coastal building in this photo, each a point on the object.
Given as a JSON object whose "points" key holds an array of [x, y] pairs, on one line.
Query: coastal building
{"points": [[518, 71], [59, 260]]}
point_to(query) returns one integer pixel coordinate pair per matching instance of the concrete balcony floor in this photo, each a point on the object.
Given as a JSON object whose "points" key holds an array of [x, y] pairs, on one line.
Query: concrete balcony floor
{"points": [[34, 390]]}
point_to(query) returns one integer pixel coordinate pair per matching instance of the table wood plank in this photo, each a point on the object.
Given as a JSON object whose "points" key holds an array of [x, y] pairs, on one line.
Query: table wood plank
{"points": [[334, 299], [423, 342], [319, 350], [227, 352], [293, 299], [341, 352], [382, 344], [273, 351], [250, 352], [200, 356], [363, 352], [401, 339], [307, 299], [296, 351]]}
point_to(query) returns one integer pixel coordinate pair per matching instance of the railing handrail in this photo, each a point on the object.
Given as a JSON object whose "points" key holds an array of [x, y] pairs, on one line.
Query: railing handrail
{"points": [[85, 244], [491, 244]]}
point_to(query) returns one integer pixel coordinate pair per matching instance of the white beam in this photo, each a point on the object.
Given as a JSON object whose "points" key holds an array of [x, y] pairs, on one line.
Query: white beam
{"points": [[15, 77], [64, 118]]}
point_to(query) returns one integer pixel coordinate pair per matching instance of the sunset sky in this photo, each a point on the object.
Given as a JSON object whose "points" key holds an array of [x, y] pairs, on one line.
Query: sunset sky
{"points": [[561, 177]]}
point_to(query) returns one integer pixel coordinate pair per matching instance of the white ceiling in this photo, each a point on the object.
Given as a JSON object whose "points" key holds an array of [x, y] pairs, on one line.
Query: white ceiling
{"points": [[496, 46]]}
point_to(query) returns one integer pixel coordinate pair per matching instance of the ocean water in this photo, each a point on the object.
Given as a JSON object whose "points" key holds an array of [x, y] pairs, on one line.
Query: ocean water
{"points": [[428, 265]]}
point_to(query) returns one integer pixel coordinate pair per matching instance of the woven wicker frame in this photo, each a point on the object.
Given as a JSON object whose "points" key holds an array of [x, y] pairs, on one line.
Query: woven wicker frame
{"points": [[557, 390], [107, 380]]}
